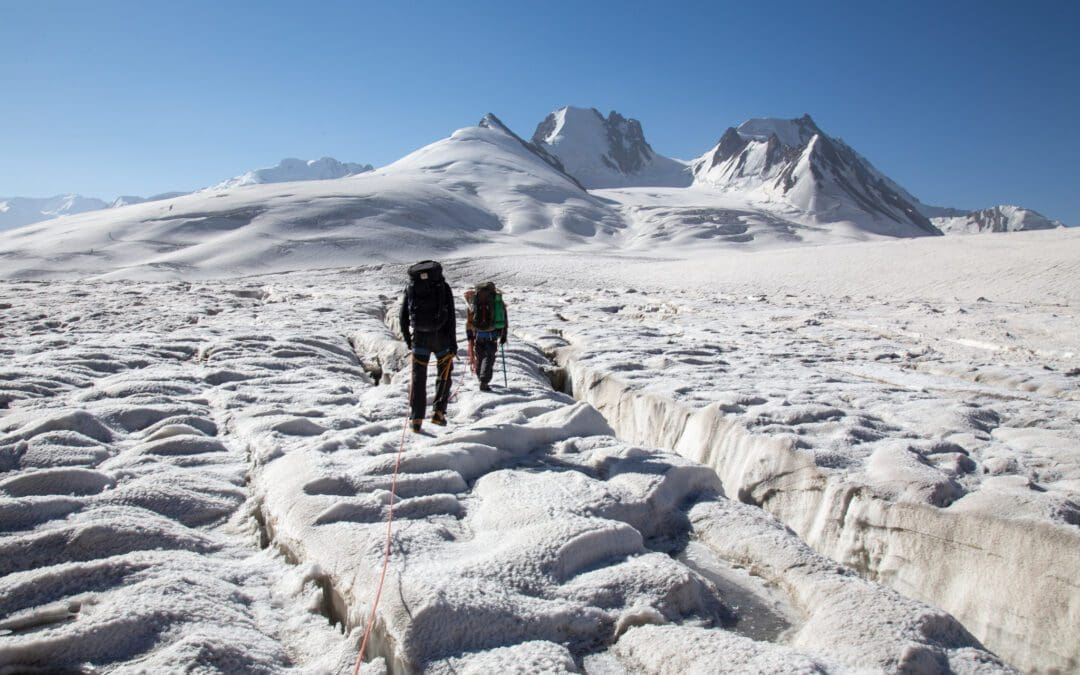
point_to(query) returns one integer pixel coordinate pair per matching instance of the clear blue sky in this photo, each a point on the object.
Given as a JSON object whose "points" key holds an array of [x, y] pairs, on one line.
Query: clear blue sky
{"points": [[969, 105]]}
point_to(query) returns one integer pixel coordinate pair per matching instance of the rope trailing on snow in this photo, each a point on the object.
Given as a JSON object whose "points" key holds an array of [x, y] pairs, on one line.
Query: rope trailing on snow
{"points": [[389, 525]]}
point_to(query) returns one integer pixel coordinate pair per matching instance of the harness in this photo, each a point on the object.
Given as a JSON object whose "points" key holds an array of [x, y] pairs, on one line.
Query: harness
{"points": [[444, 358]]}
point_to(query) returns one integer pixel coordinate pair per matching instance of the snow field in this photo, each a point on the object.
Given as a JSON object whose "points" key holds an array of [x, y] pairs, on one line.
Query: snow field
{"points": [[124, 521], [526, 536], [919, 462]]}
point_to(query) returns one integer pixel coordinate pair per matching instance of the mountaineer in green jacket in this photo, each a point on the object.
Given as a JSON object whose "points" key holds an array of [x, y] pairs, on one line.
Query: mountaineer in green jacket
{"points": [[486, 327]]}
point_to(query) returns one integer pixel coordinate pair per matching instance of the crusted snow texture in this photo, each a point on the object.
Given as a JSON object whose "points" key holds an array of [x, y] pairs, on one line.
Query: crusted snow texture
{"points": [[175, 445], [943, 466]]}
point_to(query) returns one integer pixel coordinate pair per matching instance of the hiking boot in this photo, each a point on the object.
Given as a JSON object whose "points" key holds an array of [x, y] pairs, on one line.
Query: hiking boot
{"points": [[415, 424], [484, 386], [439, 418]]}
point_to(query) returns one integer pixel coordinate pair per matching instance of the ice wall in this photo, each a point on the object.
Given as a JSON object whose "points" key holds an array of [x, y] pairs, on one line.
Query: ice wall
{"points": [[1008, 574]]}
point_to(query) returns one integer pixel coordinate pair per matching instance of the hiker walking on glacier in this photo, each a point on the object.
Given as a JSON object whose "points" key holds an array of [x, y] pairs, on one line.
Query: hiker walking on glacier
{"points": [[429, 326], [486, 327]]}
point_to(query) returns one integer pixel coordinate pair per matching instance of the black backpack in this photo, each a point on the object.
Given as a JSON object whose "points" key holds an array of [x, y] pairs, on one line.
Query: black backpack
{"points": [[427, 305], [484, 307]]}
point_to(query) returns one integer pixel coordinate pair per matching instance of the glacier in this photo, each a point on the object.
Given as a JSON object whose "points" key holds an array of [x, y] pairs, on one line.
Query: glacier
{"points": [[735, 435]]}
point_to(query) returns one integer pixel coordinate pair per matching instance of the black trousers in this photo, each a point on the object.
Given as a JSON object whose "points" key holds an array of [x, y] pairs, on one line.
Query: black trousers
{"points": [[444, 366], [486, 353]]}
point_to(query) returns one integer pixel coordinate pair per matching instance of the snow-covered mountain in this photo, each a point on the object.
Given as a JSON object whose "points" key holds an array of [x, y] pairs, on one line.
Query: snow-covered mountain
{"points": [[606, 152], [483, 188], [479, 187], [796, 164], [768, 183], [501, 183], [19, 211], [1003, 218], [291, 169], [490, 121]]}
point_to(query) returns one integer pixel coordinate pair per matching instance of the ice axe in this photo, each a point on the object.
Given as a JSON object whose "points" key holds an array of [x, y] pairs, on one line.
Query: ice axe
{"points": [[502, 350]]}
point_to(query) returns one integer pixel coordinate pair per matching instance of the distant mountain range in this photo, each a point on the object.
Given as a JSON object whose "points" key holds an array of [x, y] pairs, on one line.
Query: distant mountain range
{"points": [[791, 162], [291, 169], [19, 211], [1003, 218], [582, 182]]}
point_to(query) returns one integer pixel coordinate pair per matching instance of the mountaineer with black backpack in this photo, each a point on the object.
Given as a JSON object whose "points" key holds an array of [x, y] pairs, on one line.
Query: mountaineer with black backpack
{"points": [[429, 327], [486, 327]]}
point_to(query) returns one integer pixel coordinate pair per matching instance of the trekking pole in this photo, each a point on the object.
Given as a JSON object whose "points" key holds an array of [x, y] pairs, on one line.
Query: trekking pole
{"points": [[502, 350]]}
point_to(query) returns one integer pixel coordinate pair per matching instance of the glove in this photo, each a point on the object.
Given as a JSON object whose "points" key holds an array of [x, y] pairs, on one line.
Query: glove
{"points": [[502, 338], [453, 349], [470, 336], [408, 342]]}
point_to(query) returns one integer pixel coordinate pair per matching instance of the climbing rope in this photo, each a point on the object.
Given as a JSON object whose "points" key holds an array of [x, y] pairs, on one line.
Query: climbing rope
{"points": [[389, 524]]}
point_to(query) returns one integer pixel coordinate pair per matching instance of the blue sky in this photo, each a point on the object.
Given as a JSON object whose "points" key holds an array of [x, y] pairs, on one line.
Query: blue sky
{"points": [[968, 105]]}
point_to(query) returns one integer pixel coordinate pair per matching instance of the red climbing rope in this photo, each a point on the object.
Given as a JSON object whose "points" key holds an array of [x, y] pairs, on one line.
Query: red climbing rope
{"points": [[386, 553]]}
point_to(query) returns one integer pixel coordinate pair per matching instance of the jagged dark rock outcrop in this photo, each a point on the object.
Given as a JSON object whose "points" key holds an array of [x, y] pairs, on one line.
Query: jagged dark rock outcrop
{"points": [[796, 161]]}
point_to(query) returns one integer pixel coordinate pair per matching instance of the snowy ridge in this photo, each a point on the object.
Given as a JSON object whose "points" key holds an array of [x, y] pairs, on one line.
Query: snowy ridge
{"points": [[791, 133], [1002, 218], [127, 200], [291, 169], [490, 121], [606, 153]]}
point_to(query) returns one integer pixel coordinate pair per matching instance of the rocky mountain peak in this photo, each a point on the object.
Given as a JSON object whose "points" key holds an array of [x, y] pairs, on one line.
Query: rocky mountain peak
{"points": [[795, 161], [604, 152], [491, 121], [793, 133]]}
